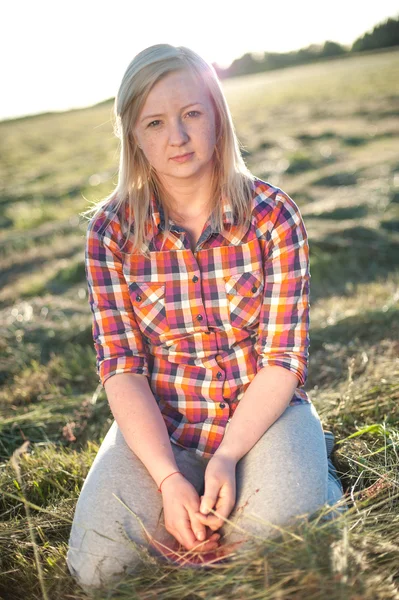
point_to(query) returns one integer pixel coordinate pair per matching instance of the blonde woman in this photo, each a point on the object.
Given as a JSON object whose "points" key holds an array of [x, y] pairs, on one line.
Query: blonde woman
{"points": [[198, 282]]}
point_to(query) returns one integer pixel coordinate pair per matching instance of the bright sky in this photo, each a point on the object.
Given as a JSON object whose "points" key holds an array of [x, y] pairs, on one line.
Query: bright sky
{"points": [[63, 54]]}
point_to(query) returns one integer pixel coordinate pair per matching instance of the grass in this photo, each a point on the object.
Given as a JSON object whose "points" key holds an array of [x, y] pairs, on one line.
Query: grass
{"points": [[329, 137]]}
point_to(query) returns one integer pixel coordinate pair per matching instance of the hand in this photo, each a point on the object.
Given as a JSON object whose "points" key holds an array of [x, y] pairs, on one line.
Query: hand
{"points": [[181, 505], [220, 490]]}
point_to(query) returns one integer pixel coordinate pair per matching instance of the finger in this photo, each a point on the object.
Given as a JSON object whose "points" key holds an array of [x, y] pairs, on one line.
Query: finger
{"points": [[205, 519], [210, 496], [211, 521], [223, 507], [208, 534], [208, 545], [212, 536], [197, 527], [212, 543], [188, 529], [185, 534], [187, 539]]}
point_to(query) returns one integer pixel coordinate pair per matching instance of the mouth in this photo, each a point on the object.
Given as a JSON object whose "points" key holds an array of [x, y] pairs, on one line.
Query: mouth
{"points": [[182, 157]]}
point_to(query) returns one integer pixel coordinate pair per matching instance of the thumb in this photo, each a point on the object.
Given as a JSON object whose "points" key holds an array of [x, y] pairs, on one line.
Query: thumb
{"points": [[208, 500]]}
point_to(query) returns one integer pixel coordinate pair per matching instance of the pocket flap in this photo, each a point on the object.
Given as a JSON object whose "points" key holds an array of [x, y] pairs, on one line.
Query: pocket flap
{"points": [[144, 293], [244, 284]]}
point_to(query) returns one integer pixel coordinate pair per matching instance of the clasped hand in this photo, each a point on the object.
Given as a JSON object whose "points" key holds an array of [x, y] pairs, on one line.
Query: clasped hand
{"points": [[186, 515]]}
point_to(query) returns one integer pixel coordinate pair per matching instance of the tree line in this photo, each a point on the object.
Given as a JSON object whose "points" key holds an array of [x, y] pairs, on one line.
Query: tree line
{"points": [[384, 35]]}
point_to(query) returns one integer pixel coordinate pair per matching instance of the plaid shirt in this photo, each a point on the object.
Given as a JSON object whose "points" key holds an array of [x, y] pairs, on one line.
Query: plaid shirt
{"points": [[201, 324]]}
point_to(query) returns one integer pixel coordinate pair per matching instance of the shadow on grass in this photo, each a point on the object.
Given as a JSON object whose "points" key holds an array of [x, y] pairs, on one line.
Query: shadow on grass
{"points": [[43, 234], [370, 326], [70, 275], [308, 137], [341, 213], [355, 140], [8, 275], [337, 179], [345, 258], [55, 338], [68, 192], [391, 225], [66, 421]]}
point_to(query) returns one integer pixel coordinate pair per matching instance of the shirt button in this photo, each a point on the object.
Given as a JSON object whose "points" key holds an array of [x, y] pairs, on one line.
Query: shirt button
{"points": [[200, 317], [222, 405], [219, 375], [138, 298], [254, 289], [195, 279]]}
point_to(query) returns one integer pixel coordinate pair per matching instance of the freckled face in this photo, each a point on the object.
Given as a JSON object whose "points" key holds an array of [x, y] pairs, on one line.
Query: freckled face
{"points": [[176, 128]]}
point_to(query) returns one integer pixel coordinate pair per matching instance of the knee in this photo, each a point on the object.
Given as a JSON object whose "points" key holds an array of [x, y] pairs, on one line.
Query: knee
{"points": [[269, 518], [97, 566]]}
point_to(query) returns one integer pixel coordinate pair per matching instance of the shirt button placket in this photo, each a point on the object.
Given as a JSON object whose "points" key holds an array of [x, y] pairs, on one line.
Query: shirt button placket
{"points": [[194, 279]]}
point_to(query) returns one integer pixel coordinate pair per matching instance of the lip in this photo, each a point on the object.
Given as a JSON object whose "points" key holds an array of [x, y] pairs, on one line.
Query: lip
{"points": [[182, 157]]}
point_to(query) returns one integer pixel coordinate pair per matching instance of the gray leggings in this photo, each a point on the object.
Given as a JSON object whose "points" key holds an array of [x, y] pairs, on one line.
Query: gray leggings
{"points": [[284, 476]]}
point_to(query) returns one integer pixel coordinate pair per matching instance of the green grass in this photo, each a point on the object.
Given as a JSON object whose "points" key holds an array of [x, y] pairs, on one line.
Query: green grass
{"points": [[328, 135]]}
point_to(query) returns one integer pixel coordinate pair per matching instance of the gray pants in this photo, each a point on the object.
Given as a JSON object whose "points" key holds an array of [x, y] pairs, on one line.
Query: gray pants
{"points": [[282, 478]]}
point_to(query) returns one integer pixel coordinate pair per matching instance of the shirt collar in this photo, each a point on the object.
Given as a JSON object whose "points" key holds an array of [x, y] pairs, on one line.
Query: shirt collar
{"points": [[158, 215]]}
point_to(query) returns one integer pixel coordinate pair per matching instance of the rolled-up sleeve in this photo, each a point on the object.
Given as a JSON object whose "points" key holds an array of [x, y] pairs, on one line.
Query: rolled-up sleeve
{"points": [[283, 337], [117, 339]]}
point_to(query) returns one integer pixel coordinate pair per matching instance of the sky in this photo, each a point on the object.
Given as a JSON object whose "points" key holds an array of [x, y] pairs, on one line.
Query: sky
{"points": [[58, 55]]}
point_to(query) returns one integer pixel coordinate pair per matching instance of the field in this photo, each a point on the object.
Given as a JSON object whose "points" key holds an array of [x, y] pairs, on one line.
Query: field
{"points": [[328, 135]]}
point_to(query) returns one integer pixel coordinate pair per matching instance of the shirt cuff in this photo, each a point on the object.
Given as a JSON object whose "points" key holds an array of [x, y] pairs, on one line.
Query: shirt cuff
{"points": [[290, 362], [122, 364]]}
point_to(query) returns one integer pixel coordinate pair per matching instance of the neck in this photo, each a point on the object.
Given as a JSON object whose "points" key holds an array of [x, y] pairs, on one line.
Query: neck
{"points": [[186, 198]]}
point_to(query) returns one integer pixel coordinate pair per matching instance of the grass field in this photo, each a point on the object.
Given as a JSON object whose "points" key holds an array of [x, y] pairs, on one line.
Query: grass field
{"points": [[328, 135]]}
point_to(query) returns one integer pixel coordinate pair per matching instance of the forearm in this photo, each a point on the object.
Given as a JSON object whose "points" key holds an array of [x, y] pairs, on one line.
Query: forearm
{"points": [[264, 401], [136, 411]]}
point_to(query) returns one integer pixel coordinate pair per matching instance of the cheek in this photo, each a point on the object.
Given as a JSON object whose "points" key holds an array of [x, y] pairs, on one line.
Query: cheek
{"points": [[151, 151], [208, 135]]}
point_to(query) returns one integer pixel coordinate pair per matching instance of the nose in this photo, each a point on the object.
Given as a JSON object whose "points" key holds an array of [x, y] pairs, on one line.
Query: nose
{"points": [[178, 135]]}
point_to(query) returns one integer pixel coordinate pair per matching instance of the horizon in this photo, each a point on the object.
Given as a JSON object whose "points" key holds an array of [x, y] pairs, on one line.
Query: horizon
{"points": [[74, 76]]}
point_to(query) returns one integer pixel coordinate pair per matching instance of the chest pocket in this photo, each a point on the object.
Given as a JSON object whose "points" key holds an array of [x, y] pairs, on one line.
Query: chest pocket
{"points": [[148, 301], [244, 293]]}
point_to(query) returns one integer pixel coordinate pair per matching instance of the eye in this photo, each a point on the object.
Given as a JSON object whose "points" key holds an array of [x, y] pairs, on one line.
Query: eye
{"points": [[193, 113], [154, 123]]}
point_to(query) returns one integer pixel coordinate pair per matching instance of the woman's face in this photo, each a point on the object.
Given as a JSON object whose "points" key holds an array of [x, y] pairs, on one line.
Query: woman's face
{"points": [[176, 128]]}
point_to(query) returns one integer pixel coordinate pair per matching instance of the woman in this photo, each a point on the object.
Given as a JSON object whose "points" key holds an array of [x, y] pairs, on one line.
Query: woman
{"points": [[198, 282]]}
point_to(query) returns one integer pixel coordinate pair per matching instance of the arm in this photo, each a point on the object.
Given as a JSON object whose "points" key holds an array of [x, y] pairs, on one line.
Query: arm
{"points": [[139, 418], [264, 401], [283, 336], [123, 369], [121, 358], [137, 413], [252, 417], [282, 347]]}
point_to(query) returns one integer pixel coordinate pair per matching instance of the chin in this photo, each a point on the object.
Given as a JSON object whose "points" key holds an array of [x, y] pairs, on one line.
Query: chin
{"points": [[187, 170]]}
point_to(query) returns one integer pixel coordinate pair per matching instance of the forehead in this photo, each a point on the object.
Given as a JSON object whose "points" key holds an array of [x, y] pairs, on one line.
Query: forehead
{"points": [[176, 88]]}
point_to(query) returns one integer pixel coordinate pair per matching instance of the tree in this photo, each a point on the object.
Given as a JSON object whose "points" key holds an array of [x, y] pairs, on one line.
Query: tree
{"points": [[384, 35], [332, 49]]}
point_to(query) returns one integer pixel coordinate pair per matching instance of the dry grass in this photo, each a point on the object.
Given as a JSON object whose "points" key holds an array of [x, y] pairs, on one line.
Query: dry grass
{"points": [[328, 135]]}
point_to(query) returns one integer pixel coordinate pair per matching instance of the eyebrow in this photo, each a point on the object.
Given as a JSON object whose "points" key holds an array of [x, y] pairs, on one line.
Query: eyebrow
{"points": [[161, 114]]}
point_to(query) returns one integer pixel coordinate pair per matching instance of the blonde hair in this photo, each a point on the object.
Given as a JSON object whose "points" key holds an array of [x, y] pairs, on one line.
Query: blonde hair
{"points": [[137, 182]]}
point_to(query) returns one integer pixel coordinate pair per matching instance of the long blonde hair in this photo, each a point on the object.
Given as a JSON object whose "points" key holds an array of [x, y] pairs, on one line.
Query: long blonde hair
{"points": [[137, 182]]}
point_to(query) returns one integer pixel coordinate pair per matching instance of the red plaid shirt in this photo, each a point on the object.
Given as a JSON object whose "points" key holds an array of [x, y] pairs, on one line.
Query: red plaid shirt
{"points": [[200, 325]]}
